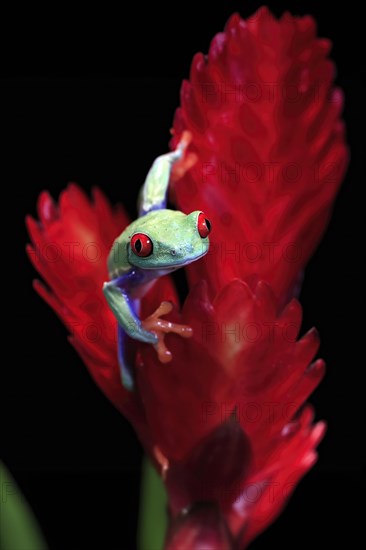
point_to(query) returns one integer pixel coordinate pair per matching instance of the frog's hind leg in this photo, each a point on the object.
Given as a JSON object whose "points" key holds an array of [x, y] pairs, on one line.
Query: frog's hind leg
{"points": [[126, 370]]}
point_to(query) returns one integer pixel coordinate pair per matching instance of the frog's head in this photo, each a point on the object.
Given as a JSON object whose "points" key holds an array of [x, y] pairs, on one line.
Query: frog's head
{"points": [[167, 239]]}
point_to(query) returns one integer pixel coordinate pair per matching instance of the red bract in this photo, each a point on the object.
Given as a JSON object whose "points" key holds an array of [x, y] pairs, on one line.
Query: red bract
{"points": [[70, 247], [71, 243], [270, 146], [225, 421], [223, 414]]}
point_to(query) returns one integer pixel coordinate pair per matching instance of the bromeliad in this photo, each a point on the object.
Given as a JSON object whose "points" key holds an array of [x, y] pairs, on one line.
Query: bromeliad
{"points": [[228, 415]]}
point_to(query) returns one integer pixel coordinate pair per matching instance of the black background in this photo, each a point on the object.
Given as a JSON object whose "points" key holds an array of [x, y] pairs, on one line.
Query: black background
{"points": [[91, 99]]}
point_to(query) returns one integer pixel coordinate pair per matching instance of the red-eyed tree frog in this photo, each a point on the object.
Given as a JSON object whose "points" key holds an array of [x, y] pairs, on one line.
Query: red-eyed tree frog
{"points": [[158, 242]]}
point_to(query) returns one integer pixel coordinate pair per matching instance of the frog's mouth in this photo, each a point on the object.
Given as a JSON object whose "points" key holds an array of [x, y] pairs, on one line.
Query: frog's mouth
{"points": [[176, 266]]}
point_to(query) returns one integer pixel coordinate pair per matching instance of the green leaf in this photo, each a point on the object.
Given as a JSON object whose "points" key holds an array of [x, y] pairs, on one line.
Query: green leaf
{"points": [[18, 526]]}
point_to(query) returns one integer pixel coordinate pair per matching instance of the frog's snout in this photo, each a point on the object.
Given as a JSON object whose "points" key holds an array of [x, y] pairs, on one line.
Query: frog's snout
{"points": [[181, 252]]}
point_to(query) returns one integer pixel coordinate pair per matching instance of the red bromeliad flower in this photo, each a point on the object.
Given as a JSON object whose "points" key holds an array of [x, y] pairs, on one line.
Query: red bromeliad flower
{"points": [[224, 422], [270, 145]]}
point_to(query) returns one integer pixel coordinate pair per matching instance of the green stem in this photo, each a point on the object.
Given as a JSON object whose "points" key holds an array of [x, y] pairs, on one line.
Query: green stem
{"points": [[153, 509]]}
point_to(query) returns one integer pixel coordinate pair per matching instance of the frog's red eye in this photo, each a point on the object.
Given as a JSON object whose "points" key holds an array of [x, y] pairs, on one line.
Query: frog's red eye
{"points": [[141, 245], [203, 225]]}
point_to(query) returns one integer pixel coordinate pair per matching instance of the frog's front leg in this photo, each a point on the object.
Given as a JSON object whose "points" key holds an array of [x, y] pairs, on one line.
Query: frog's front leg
{"points": [[120, 304], [152, 330], [171, 166], [128, 324], [161, 327]]}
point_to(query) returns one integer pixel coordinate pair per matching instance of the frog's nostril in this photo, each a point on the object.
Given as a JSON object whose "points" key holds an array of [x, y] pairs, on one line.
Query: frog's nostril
{"points": [[173, 252]]}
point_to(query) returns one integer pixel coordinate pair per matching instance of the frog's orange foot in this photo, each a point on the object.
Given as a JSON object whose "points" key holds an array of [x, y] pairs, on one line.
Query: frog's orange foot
{"points": [[187, 160], [161, 327]]}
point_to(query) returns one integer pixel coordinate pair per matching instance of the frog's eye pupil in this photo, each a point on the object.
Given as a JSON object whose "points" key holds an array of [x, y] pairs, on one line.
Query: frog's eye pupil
{"points": [[141, 245], [203, 225]]}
